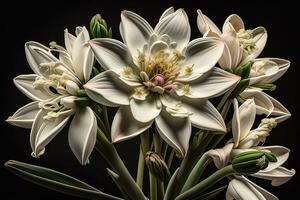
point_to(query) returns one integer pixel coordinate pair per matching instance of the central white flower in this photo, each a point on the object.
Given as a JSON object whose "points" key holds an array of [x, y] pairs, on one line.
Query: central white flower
{"points": [[159, 76]]}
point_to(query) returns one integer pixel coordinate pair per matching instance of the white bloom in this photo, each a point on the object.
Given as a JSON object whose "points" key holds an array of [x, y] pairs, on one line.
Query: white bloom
{"points": [[159, 76], [53, 88], [242, 46]]}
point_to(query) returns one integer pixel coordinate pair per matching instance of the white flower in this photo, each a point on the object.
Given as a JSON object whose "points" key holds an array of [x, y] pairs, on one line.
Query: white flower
{"points": [[54, 90], [242, 46], [159, 76]]}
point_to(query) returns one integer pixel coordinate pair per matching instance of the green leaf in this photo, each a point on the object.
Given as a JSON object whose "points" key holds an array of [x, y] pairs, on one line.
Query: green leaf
{"points": [[55, 180], [116, 178], [211, 194], [171, 182]]}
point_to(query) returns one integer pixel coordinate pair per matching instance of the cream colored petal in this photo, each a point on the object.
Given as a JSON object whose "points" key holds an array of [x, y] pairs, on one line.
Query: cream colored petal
{"points": [[268, 69], [43, 131], [233, 23], [82, 134], [225, 60], [36, 54], [145, 110], [24, 116], [177, 27], [108, 86], [69, 41], [25, 84], [221, 156], [233, 45], [135, 32], [213, 83], [110, 53], [205, 24], [167, 13], [124, 126], [176, 131], [278, 176], [280, 112]]}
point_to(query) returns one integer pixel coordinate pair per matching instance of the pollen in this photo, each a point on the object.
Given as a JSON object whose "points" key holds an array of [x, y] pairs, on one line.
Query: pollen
{"points": [[127, 71], [246, 40], [187, 89], [189, 70]]}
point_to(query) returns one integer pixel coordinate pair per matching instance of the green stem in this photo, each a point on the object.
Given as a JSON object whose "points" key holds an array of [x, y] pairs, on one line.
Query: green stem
{"points": [[110, 154], [170, 159], [196, 173], [161, 189], [206, 183], [106, 119], [140, 169], [153, 187], [223, 100]]}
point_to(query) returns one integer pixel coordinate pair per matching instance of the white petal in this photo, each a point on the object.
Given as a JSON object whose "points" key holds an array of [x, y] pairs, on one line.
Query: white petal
{"points": [[243, 120], [145, 110], [283, 66], [205, 24], [215, 83], [176, 131], [36, 54], [263, 104], [233, 45], [240, 190], [25, 84], [175, 25], [278, 176], [110, 53], [166, 13], [107, 88], [233, 23], [201, 54], [204, 115], [281, 153], [135, 32], [260, 36], [124, 126], [82, 134], [279, 110], [43, 131], [24, 116], [69, 41], [221, 156], [82, 56], [225, 60]]}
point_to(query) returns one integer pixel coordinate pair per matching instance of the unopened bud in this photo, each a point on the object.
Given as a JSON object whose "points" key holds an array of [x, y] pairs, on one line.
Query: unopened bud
{"points": [[265, 86], [99, 28], [157, 166], [252, 161]]}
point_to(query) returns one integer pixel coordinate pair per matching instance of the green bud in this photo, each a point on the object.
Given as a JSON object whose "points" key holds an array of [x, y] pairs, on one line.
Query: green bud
{"points": [[252, 161], [242, 85], [265, 86], [82, 101], [81, 93], [244, 70], [157, 166], [99, 28]]}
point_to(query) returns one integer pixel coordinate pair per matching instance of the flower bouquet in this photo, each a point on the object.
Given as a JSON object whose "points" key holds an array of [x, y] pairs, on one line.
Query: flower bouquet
{"points": [[161, 82]]}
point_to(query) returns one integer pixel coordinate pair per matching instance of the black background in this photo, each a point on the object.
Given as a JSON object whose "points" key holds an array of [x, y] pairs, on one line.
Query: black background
{"points": [[45, 21]]}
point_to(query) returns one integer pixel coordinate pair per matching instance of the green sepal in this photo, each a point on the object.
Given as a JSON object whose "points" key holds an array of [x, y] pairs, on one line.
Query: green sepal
{"points": [[242, 85], [244, 70], [265, 86], [82, 101]]}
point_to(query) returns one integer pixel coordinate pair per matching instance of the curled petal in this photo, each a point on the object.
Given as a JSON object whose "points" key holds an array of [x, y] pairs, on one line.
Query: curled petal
{"points": [[243, 119], [278, 176], [233, 23], [167, 13], [43, 131], [176, 131], [221, 156], [36, 54], [235, 52], [205, 24], [124, 126], [25, 84], [82, 134], [24, 117]]}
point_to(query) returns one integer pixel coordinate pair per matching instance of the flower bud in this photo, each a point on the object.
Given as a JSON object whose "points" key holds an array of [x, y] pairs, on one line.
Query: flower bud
{"points": [[98, 27], [157, 166], [244, 70], [252, 161], [265, 86]]}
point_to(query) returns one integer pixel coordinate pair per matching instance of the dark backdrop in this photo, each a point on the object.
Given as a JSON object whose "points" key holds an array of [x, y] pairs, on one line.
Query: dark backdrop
{"points": [[44, 21]]}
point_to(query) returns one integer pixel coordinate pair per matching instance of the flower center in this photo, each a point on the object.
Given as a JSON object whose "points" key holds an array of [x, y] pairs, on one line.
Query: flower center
{"points": [[246, 40], [258, 69], [159, 71]]}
